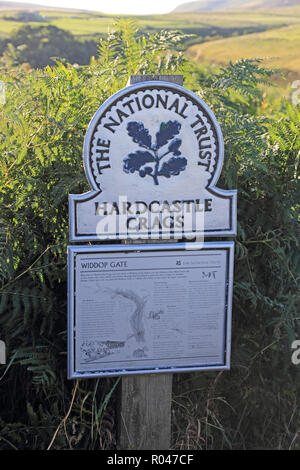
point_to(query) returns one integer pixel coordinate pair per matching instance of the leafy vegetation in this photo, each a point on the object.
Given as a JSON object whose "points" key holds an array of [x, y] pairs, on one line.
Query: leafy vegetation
{"points": [[42, 128]]}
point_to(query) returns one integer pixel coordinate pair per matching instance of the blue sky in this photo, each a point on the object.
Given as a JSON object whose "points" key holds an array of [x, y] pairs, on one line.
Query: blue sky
{"points": [[134, 7]]}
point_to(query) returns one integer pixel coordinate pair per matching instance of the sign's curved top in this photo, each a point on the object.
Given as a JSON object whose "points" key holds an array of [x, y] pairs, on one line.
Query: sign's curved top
{"points": [[140, 126], [153, 154]]}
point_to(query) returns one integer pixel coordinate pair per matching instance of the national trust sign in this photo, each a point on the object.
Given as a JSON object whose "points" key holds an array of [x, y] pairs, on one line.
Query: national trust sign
{"points": [[153, 154]]}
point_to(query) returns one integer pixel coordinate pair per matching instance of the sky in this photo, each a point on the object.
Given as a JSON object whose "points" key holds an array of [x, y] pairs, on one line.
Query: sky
{"points": [[130, 7]]}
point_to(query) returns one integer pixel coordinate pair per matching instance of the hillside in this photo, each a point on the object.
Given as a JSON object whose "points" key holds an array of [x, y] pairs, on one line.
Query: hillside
{"points": [[215, 5], [205, 26], [218, 36]]}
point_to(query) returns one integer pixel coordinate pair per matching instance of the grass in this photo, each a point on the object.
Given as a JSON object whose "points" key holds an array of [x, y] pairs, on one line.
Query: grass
{"points": [[278, 47]]}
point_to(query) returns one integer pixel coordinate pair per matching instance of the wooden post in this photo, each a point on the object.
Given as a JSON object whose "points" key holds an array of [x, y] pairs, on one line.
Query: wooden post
{"points": [[144, 414]]}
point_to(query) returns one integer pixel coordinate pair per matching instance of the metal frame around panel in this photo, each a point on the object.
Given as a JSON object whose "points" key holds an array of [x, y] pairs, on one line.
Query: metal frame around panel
{"points": [[73, 250]]}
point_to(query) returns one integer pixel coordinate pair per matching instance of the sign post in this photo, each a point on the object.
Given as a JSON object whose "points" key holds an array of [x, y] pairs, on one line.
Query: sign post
{"points": [[157, 299], [145, 412]]}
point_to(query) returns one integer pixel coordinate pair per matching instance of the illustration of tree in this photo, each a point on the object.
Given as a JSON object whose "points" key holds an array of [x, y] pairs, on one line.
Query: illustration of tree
{"points": [[149, 161]]}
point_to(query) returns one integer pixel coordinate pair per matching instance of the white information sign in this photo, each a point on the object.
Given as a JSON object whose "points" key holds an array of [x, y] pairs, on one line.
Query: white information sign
{"points": [[153, 154], [149, 308]]}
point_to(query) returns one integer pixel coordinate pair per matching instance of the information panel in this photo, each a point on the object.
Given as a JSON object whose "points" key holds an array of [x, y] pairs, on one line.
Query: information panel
{"points": [[149, 308]]}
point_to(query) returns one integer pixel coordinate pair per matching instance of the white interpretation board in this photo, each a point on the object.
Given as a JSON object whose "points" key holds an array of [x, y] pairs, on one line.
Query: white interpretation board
{"points": [[149, 308]]}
